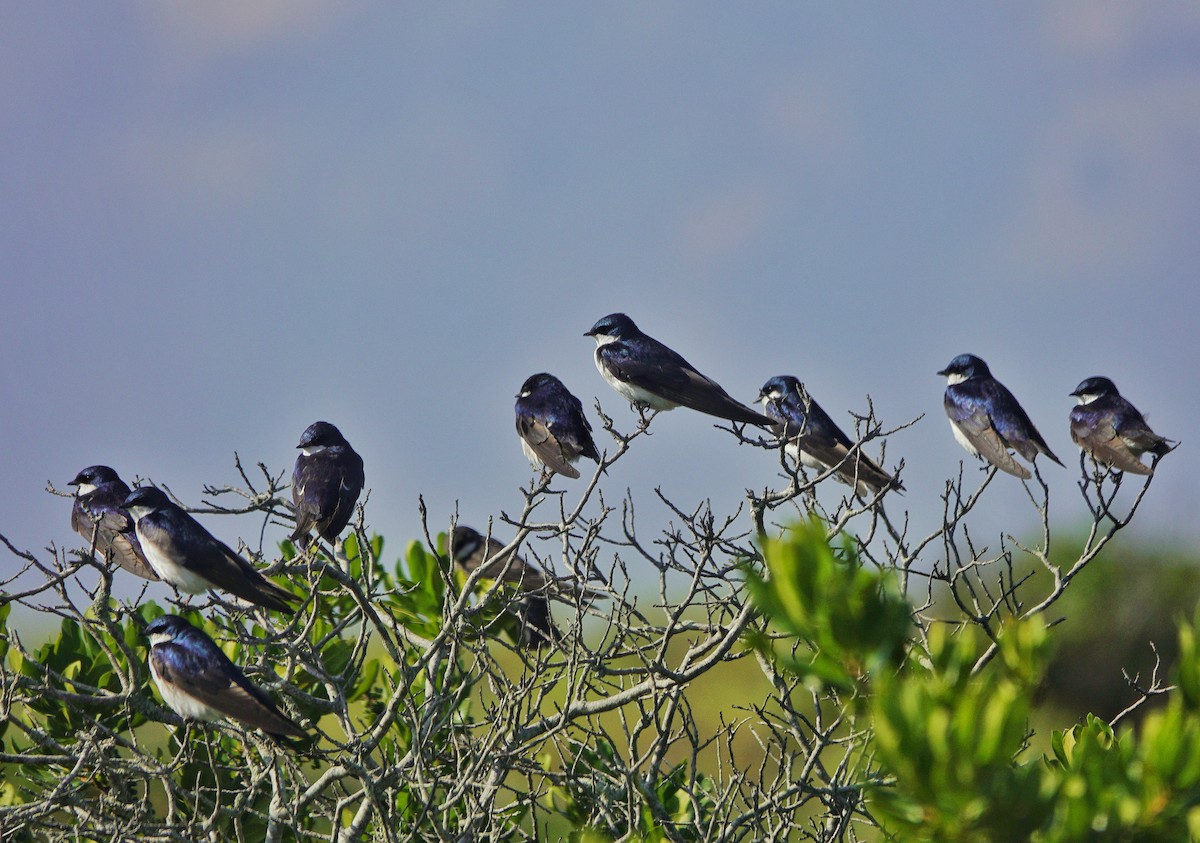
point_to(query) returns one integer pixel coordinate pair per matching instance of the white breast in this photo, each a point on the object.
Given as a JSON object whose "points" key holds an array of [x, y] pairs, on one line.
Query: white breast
{"points": [[181, 703], [963, 440], [170, 571]]}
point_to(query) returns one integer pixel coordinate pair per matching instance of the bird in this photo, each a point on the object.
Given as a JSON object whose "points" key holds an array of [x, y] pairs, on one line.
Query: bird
{"points": [[649, 374], [199, 682], [188, 557], [326, 483], [1111, 430], [552, 427], [815, 439], [986, 418], [472, 551], [97, 512]]}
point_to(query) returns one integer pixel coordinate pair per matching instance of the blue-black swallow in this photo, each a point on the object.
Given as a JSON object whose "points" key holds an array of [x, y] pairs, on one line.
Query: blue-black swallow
{"points": [[1111, 430], [326, 483], [649, 374], [472, 551], [97, 512], [987, 420], [552, 426], [812, 437], [199, 682], [188, 557]]}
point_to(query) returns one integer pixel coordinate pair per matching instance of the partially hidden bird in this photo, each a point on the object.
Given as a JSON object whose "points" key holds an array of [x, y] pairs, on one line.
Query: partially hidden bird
{"points": [[99, 493], [472, 551], [813, 438]]}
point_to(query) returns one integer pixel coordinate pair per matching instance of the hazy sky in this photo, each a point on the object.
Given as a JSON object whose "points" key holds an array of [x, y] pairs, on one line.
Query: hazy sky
{"points": [[222, 221]]}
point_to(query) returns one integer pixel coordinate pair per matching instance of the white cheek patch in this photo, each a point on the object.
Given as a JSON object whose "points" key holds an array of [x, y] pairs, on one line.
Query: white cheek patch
{"points": [[312, 450], [1086, 398], [953, 378], [86, 489], [604, 339]]}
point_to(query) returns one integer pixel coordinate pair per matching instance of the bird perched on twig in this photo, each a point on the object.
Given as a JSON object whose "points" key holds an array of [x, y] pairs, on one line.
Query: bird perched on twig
{"points": [[552, 426], [190, 558], [986, 418], [813, 438], [1111, 430], [199, 682], [649, 374], [326, 483]]}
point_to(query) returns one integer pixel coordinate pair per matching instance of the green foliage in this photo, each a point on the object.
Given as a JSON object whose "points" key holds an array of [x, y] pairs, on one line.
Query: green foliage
{"points": [[948, 737], [851, 620]]}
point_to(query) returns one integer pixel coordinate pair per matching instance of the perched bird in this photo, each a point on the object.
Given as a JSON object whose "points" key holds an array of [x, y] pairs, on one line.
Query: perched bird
{"points": [[97, 511], [552, 427], [987, 420], [471, 551], [188, 557], [326, 483], [199, 682], [648, 373], [1111, 430], [813, 438]]}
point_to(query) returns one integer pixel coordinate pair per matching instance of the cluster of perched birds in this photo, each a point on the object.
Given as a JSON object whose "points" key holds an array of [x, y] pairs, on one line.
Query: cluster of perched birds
{"points": [[143, 531]]}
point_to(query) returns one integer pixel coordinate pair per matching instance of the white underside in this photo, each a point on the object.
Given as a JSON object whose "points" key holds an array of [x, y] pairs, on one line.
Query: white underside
{"points": [[534, 459], [169, 571], [634, 394], [963, 440], [181, 703]]}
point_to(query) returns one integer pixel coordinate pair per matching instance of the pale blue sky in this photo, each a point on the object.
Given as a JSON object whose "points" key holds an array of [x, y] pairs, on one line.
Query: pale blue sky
{"points": [[222, 221]]}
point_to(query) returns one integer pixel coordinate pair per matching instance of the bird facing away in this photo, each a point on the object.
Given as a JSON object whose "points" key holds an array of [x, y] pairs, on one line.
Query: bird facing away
{"points": [[199, 682], [326, 483], [649, 374], [188, 557], [813, 438], [987, 420], [97, 510], [472, 551], [553, 430], [1111, 430]]}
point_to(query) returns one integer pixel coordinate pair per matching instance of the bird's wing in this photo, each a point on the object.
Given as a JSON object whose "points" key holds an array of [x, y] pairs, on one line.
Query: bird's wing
{"points": [[194, 548], [974, 424], [542, 441], [671, 377], [1013, 423], [325, 488], [1099, 438]]}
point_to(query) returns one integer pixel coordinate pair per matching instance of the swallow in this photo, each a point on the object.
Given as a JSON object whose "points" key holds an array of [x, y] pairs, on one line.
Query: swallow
{"points": [[326, 483], [188, 557], [986, 418], [815, 440], [97, 512], [553, 430], [649, 374], [1111, 430], [471, 551], [199, 682]]}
